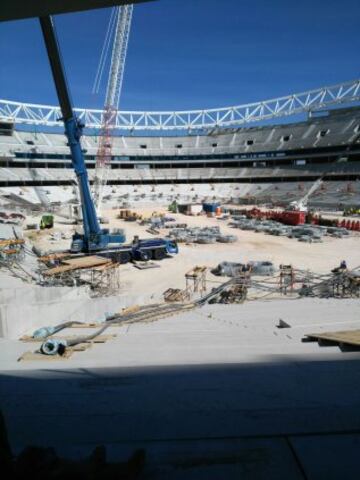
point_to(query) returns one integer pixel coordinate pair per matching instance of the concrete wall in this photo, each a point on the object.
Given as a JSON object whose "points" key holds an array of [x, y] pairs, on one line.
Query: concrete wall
{"points": [[24, 309]]}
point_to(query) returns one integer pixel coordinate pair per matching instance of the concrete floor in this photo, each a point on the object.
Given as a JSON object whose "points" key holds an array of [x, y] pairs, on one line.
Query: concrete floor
{"points": [[220, 392]]}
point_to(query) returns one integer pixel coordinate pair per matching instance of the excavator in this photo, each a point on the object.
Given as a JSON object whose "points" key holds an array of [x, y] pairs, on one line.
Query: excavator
{"points": [[93, 239]]}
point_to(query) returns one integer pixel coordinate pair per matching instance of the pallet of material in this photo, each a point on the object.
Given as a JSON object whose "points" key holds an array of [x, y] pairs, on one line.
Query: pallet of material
{"points": [[174, 295], [344, 337], [145, 265]]}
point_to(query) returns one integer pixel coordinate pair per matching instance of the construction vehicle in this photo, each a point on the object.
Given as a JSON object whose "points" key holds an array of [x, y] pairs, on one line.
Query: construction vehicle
{"points": [[47, 221], [93, 238], [301, 205], [296, 211]]}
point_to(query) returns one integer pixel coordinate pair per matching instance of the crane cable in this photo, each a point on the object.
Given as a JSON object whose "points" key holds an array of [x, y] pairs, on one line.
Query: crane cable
{"points": [[104, 52]]}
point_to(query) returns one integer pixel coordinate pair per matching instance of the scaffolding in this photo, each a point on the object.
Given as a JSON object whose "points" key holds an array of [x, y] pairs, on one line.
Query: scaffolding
{"points": [[196, 279]]}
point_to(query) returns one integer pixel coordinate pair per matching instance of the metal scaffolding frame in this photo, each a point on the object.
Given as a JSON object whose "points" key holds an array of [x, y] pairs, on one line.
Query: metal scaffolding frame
{"points": [[321, 98]]}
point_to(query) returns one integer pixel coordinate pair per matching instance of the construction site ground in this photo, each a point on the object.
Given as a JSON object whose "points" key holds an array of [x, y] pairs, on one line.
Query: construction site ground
{"points": [[219, 391], [151, 283]]}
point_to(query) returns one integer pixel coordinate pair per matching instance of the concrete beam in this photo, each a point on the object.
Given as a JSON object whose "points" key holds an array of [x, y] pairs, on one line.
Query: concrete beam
{"points": [[19, 9]]}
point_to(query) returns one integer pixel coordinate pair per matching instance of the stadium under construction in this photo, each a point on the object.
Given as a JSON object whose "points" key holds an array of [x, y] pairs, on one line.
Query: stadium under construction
{"points": [[169, 280]]}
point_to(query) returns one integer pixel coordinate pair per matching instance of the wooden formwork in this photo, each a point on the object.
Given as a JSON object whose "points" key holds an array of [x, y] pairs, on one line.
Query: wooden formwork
{"points": [[340, 338]]}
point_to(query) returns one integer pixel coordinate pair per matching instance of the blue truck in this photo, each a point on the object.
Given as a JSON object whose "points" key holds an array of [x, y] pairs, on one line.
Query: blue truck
{"points": [[139, 249], [94, 239]]}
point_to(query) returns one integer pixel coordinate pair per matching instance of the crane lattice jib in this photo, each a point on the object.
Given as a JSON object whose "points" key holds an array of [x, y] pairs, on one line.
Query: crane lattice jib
{"points": [[113, 90], [118, 57]]}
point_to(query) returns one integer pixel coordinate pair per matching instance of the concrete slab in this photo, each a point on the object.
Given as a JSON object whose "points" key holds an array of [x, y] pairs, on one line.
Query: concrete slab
{"points": [[331, 456]]}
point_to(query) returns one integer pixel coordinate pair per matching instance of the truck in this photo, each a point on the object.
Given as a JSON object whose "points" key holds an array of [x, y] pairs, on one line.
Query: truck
{"points": [[139, 249], [93, 239]]}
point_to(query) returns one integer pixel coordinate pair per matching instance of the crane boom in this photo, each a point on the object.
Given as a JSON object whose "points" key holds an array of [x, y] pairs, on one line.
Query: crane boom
{"points": [[118, 56], [312, 189], [73, 128], [113, 91], [94, 238], [301, 204]]}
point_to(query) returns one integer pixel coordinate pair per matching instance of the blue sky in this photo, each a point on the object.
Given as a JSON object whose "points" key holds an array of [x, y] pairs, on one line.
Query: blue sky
{"points": [[187, 54]]}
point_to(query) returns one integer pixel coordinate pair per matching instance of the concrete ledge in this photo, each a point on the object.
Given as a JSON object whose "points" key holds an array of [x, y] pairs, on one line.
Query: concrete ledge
{"points": [[23, 310]]}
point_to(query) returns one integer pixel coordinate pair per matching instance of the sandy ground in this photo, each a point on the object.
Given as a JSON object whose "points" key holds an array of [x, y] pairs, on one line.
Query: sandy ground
{"points": [[318, 257]]}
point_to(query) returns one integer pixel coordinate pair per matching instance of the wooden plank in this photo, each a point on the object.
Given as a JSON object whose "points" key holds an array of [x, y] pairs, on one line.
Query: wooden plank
{"points": [[196, 272], [31, 356], [53, 256], [11, 241], [87, 262], [107, 266], [58, 270], [78, 263], [350, 337]]}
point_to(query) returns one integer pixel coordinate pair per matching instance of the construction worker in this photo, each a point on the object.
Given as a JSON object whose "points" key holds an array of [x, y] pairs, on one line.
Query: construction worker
{"points": [[135, 240], [341, 268], [343, 265]]}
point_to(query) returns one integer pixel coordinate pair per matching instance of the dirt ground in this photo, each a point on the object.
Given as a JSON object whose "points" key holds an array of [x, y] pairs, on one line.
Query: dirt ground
{"points": [[317, 257]]}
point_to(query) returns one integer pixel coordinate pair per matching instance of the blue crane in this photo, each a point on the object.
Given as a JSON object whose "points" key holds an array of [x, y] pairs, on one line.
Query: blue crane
{"points": [[94, 238]]}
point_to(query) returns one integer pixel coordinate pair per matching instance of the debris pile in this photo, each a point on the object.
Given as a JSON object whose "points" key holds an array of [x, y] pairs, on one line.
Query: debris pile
{"points": [[201, 235], [303, 233], [233, 269], [231, 294], [339, 283]]}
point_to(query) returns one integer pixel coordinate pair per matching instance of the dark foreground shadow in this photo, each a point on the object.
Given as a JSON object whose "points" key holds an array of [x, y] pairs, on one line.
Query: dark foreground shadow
{"points": [[193, 420]]}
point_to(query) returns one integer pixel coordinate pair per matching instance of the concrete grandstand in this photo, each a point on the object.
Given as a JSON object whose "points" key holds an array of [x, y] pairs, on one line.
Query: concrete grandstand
{"points": [[240, 164]]}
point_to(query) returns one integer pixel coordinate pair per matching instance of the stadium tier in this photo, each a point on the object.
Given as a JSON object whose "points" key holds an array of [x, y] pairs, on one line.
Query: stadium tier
{"points": [[260, 163]]}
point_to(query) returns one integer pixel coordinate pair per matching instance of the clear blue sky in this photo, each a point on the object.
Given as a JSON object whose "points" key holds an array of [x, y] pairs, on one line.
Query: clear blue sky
{"points": [[193, 53]]}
